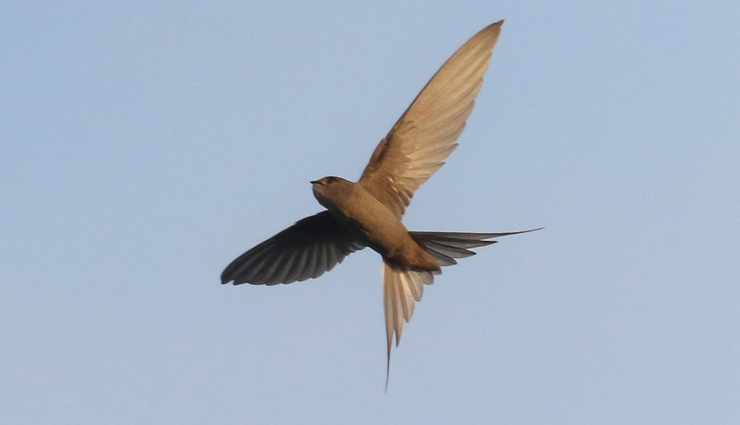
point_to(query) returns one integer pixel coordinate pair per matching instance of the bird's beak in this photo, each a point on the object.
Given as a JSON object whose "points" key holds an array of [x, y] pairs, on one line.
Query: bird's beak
{"points": [[315, 181]]}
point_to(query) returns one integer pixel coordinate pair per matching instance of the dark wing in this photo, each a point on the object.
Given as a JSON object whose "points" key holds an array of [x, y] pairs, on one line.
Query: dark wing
{"points": [[427, 132], [305, 250]]}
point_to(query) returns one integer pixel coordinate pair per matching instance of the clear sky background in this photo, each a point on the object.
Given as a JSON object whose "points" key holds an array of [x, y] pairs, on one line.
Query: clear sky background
{"points": [[144, 145]]}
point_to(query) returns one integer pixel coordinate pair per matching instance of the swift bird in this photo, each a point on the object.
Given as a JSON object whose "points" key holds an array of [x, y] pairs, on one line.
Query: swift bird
{"points": [[368, 213]]}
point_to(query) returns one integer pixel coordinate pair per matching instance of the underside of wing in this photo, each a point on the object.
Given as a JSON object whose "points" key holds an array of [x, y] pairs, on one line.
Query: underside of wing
{"points": [[308, 249], [427, 132]]}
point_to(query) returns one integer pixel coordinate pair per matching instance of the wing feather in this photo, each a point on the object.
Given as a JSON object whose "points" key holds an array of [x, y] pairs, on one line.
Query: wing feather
{"points": [[308, 249], [426, 133]]}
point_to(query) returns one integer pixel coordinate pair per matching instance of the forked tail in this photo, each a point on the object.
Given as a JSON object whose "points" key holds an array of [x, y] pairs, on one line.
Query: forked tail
{"points": [[403, 288], [446, 246]]}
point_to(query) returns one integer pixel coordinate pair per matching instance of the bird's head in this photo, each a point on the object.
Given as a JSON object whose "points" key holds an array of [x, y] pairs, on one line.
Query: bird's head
{"points": [[329, 189]]}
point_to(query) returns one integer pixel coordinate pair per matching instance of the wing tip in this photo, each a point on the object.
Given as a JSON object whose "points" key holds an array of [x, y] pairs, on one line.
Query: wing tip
{"points": [[496, 25], [492, 31], [226, 277]]}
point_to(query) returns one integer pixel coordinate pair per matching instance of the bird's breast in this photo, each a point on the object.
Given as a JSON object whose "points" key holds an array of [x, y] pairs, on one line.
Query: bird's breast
{"points": [[363, 214]]}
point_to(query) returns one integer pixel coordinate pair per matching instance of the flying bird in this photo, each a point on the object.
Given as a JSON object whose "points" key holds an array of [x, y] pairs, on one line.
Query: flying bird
{"points": [[368, 213]]}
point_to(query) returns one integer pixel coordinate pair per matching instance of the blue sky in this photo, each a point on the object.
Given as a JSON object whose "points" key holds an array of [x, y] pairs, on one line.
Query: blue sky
{"points": [[144, 145]]}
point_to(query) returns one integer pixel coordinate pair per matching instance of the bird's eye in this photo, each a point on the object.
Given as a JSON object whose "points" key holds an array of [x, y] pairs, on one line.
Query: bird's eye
{"points": [[331, 179]]}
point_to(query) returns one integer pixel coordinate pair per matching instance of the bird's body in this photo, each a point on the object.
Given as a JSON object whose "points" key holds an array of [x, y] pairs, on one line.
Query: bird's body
{"points": [[369, 212], [374, 223]]}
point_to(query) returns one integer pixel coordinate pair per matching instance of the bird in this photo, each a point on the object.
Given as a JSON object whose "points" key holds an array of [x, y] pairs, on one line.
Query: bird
{"points": [[369, 212]]}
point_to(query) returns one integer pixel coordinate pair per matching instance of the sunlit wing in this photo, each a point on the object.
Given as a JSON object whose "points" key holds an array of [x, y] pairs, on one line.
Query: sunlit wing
{"points": [[427, 132], [308, 249]]}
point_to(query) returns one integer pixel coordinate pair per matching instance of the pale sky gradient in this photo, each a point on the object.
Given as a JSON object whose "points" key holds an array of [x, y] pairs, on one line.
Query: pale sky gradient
{"points": [[144, 145]]}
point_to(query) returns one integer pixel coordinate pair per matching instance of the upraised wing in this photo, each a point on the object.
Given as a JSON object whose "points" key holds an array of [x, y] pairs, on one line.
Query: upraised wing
{"points": [[427, 132]]}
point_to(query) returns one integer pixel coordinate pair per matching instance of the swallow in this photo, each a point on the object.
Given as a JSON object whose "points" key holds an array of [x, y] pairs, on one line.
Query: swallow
{"points": [[368, 213]]}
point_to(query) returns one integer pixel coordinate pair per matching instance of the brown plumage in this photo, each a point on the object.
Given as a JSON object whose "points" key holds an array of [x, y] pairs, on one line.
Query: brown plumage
{"points": [[369, 212]]}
